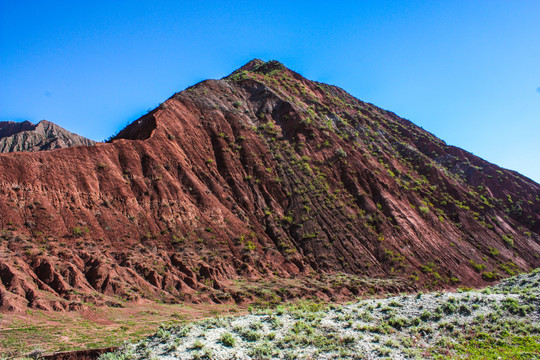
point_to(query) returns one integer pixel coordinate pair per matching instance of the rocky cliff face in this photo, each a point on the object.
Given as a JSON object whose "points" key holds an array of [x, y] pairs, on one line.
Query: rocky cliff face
{"points": [[25, 136], [261, 178]]}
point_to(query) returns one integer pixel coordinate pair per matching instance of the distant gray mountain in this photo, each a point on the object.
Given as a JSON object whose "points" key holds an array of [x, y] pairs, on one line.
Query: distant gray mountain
{"points": [[25, 136]]}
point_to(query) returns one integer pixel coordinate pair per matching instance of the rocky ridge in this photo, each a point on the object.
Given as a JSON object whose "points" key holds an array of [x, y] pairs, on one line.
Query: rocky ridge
{"points": [[263, 181], [45, 135]]}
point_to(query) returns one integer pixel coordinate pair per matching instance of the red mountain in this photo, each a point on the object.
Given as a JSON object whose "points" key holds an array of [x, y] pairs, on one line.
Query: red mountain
{"points": [[265, 185]]}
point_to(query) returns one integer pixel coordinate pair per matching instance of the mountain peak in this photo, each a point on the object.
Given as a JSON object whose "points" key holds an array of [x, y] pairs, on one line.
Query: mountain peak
{"points": [[257, 66], [251, 65], [45, 135], [8, 128]]}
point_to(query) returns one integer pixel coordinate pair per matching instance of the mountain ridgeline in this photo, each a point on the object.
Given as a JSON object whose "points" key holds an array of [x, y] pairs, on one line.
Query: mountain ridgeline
{"points": [[25, 136], [260, 186]]}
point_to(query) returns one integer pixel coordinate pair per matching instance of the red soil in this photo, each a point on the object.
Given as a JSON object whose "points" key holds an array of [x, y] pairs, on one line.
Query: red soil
{"points": [[260, 176]]}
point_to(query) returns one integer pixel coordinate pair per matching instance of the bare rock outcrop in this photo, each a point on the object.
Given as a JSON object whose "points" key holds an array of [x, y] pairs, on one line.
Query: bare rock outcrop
{"points": [[25, 136]]}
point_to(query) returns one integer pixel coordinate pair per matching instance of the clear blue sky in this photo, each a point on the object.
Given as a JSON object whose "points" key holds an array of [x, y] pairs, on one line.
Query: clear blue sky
{"points": [[468, 71]]}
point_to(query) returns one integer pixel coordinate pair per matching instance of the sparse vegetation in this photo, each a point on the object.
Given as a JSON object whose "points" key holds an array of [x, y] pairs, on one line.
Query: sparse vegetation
{"points": [[499, 322], [257, 195]]}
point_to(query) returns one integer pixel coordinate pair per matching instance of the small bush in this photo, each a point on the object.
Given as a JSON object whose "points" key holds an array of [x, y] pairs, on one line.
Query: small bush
{"points": [[262, 351], [493, 252], [250, 246], [464, 310], [227, 339], [508, 240], [340, 152], [197, 345], [398, 322], [476, 266], [426, 315], [250, 335], [77, 231], [491, 275], [449, 308]]}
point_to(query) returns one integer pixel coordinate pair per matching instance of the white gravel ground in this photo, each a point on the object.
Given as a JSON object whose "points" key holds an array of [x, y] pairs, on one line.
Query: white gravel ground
{"points": [[400, 327]]}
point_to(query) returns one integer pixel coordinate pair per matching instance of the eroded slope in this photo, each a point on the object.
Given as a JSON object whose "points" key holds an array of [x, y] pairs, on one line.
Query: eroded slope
{"points": [[267, 177]]}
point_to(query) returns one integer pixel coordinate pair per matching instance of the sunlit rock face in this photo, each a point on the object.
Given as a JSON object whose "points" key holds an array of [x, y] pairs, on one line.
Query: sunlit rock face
{"points": [[25, 136], [260, 178]]}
